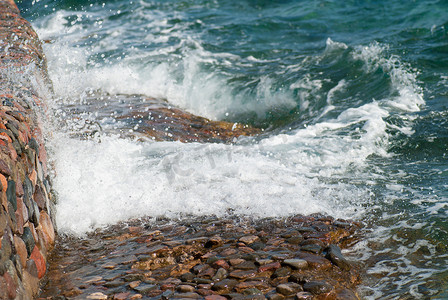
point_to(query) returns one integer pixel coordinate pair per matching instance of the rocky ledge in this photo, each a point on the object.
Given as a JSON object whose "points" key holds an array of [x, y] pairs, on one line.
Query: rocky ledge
{"points": [[294, 258]]}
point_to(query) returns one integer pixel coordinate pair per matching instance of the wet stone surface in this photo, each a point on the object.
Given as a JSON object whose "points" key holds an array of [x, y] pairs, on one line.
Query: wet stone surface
{"points": [[147, 118], [206, 258]]}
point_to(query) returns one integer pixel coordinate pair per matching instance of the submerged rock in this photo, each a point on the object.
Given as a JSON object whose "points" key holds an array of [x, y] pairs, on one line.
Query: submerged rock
{"points": [[150, 118]]}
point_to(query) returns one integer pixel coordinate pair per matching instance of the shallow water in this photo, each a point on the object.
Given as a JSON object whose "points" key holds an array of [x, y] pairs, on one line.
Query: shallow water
{"points": [[354, 116]]}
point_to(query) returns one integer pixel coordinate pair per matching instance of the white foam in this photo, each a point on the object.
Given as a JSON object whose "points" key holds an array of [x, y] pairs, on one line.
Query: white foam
{"points": [[312, 169], [103, 183]]}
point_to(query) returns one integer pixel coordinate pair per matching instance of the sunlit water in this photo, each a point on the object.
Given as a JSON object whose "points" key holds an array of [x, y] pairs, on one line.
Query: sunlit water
{"points": [[352, 97]]}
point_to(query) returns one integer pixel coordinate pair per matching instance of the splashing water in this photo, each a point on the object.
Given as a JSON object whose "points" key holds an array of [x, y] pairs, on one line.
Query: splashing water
{"points": [[354, 119]]}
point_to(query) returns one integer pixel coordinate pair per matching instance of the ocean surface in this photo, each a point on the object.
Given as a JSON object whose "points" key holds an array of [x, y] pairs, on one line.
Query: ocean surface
{"points": [[352, 96]]}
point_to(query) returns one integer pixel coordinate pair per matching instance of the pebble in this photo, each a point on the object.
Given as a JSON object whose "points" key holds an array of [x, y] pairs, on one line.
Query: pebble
{"points": [[185, 288], [215, 297], [224, 286], [221, 263], [317, 287], [249, 239], [242, 274], [134, 284], [289, 288], [314, 248], [304, 296], [296, 263], [246, 265], [275, 296], [282, 272], [334, 254], [315, 261], [122, 296], [220, 274], [145, 288], [252, 291], [97, 296], [236, 261], [187, 277], [186, 296], [271, 266]]}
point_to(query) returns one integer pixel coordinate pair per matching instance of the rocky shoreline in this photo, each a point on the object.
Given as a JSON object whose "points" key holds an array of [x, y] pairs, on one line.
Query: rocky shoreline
{"points": [[26, 228], [294, 258], [208, 258]]}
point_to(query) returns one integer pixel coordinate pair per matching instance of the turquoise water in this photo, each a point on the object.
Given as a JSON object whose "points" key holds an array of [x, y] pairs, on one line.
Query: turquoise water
{"points": [[352, 96]]}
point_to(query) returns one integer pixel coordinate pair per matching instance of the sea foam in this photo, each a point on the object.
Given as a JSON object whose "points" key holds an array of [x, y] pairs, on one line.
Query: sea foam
{"points": [[321, 167]]}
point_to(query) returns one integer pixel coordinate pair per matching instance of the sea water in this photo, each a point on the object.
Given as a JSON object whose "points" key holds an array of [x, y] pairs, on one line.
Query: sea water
{"points": [[352, 97]]}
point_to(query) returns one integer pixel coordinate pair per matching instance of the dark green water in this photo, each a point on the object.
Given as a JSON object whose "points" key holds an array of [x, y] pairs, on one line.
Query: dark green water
{"points": [[353, 95]]}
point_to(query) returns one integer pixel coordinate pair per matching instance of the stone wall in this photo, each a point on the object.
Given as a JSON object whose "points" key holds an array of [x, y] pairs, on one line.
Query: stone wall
{"points": [[26, 229]]}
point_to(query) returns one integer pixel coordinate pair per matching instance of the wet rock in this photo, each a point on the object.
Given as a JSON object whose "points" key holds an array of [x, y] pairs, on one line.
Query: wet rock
{"points": [[275, 296], [315, 261], [224, 286], [221, 264], [249, 239], [317, 287], [145, 288], [6, 248], [304, 296], [252, 291], [346, 294], [270, 266], [314, 248], [299, 278], [334, 254], [295, 240], [185, 288], [207, 272], [187, 277], [40, 197], [236, 261], [186, 296], [264, 261], [122, 296], [242, 274], [35, 216], [134, 284], [289, 288], [133, 277], [246, 265], [296, 263], [11, 194], [47, 228], [220, 274], [31, 268], [10, 286], [4, 168], [39, 261], [215, 297], [204, 292], [282, 272], [168, 294], [28, 239], [213, 242], [113, 284], [97, 296]]}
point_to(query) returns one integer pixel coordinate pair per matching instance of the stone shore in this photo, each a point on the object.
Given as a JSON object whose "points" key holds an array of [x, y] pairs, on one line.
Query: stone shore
{"points": [[294, 258], [26, 229], [208, 258]]}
